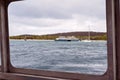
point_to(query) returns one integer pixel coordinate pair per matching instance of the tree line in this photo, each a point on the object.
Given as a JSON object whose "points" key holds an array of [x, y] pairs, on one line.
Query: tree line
{"points": [[50, 37]]}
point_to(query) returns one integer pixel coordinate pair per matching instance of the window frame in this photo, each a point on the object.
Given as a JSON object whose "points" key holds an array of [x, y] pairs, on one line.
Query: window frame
{"points": [[112, 12]]}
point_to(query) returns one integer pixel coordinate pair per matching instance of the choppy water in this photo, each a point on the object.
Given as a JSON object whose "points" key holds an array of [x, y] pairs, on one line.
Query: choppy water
{"points": [[76, 57]]}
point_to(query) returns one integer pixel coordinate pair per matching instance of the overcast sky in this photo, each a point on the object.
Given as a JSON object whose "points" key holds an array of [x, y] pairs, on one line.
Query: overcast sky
{"points": [[55, 16]]}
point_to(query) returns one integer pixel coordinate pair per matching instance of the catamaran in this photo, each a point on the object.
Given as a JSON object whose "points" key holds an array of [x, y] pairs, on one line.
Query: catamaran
{"points": [[69, 38]]}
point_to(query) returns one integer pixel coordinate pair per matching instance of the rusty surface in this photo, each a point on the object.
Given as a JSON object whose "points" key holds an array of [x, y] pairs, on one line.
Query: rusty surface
{"points": [[113, 72]]}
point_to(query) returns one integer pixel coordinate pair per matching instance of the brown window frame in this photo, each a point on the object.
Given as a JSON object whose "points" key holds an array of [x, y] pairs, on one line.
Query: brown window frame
{"points": [[113, 71]]}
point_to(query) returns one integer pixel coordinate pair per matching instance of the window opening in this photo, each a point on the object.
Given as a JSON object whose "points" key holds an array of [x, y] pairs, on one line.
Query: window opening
{"points": [[66, 36]]}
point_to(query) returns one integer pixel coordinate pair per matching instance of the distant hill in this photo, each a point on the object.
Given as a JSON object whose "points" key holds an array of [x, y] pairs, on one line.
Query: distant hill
{"points": [[80, 35]]}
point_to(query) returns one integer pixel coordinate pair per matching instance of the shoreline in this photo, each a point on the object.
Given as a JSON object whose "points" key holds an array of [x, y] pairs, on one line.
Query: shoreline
{"points": [[52, 40]]}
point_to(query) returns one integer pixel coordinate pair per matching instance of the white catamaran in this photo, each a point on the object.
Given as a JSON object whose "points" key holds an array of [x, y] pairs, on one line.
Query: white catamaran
{"points": [[69, 38]]}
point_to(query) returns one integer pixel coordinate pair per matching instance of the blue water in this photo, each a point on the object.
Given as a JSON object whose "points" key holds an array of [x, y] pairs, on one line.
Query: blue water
{"points": [[75, 57]]}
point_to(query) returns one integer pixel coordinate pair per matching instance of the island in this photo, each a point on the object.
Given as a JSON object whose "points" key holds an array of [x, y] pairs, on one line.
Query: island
{"points": [[79, 35]]}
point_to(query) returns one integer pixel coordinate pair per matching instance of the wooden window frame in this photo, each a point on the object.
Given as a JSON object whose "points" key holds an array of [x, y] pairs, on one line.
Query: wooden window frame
{"points": [[113, 44]]}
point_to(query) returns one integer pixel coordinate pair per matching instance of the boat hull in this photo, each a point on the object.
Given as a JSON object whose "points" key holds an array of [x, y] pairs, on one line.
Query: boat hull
{"points": [[66, 40]]}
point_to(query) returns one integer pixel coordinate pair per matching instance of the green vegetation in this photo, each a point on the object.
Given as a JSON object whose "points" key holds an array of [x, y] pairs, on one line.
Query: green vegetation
{"points": [[50, 37], [34, 37], [80, 35], [102, 37]]}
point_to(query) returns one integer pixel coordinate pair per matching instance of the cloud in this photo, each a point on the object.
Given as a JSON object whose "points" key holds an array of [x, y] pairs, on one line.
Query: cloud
{"points": [[54, 16], [58, 8], [49, 26]]}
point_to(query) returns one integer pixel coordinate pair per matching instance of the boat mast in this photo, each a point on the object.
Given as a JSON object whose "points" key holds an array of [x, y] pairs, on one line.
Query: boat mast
{"points": [[89, 32], [25, 38]]}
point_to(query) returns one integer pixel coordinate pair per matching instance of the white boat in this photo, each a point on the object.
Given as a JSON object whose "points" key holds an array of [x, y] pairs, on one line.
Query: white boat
{"points": [[88, 40], [69, 38]]}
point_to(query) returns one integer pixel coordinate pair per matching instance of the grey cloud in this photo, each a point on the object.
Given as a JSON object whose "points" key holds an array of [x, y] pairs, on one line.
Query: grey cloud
{"points": [[59, 9], [42, 22], [37, 11]]}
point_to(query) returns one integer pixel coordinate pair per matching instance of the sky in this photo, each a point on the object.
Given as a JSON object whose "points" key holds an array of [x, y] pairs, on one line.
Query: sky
{"points": [[40, 17]]}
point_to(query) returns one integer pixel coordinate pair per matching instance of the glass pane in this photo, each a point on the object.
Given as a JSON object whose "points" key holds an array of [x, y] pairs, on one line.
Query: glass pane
{"points": [[59, 35]]}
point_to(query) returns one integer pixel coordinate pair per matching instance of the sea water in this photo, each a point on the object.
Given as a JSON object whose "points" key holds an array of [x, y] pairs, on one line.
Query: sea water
{"points": [[74, 57]]}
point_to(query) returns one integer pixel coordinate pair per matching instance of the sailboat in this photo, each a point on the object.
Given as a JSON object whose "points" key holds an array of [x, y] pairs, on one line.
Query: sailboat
{"points": [[88, 40], [25, 38]]}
